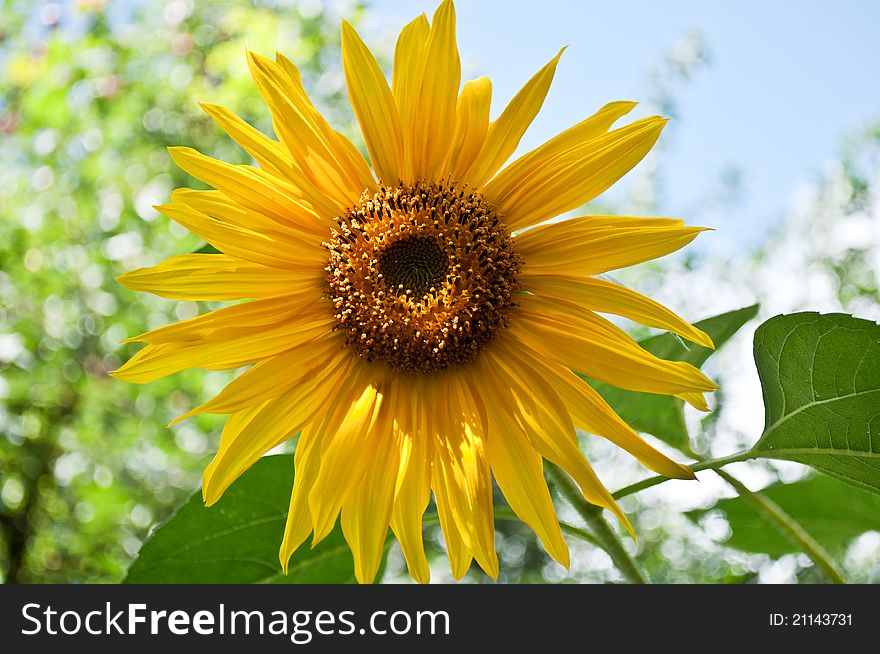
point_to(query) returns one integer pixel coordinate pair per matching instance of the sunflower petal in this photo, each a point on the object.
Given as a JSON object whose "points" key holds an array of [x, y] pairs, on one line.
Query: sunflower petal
{"points": [[547, 424], [306, 463], [217, 205], [252, 188], [250, 433], [506, 132], [413, 490], [471, 126], [519, 172], [269, 154], [465, 478], [432, 121], [591, 245], [318, 150], [595, 347], [367, 511], [272, 377], [605, 297], [592, 414], [203, 277], [229, 321], [457, 550], [373, 105], [575, 176], [405, 80], [518, 469], [343, 461], [226, 338], [275, 250], [412, 497]]}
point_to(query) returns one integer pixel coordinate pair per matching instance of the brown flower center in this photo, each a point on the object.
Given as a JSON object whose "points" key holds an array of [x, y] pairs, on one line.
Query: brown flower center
{"points": [[421, 276]]}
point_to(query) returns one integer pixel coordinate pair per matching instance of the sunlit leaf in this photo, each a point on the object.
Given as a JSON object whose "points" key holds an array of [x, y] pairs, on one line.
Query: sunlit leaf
{"points": [[821, 381], [237, 539]]}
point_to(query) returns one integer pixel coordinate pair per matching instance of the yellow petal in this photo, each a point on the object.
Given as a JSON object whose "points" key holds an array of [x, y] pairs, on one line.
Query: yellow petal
{"points": [[411, 500], [519, 172], [367, 511], [272, 157], [605, 297], [276, 249], [252, 188], [217, 277], [373, 105], [696, 400], [546, 423], [269, 154], [405, 82], [319, 151], [227, 338], [413, 491], [269, 378], [343, 461], [219, 206], [156, 361], [575, 176], [436, 93], [250, 433], [591, 413], [457, 550], [471, 126], [238, 319], [466, 476], [506, 132], [519, 471], [591, 245], [351, 160], [306, 463], [593, 346]]}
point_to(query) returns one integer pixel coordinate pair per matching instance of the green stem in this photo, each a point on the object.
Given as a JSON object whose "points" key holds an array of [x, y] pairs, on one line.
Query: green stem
{"points": [[788, 527], [506, 514], [709, 464], [765, 506], [604, 536]]}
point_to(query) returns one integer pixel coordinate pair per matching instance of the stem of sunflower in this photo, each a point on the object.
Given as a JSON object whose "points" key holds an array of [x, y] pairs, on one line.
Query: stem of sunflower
{"points": [[602, 532], [708, 464], [577, 532], [788, 526]]}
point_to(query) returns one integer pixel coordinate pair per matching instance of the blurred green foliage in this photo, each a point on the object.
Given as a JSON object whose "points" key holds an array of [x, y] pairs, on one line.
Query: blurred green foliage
{"points": [[90, 96]]}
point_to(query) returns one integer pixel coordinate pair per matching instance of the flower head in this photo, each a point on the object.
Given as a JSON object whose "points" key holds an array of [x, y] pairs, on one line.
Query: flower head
{"points": [[416, 319]]}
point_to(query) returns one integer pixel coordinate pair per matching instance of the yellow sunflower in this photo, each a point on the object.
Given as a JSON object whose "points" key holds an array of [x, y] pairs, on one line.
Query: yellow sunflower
{"points": [[416, 319]]}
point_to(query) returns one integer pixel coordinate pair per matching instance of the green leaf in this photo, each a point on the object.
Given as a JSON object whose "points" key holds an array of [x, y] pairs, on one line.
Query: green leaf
{"points": [[660, 415], [833, 513], [821, 381], [236, 540], [207, 248]]}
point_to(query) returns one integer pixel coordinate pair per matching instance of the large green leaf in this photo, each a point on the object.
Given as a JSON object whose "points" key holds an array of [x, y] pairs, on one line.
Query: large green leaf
{"points": [[833, 513], [660, 415], [821, 381], [236, 540]]}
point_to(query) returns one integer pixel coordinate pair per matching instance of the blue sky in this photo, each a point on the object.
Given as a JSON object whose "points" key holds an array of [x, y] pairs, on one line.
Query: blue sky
{"points": [[787, 82]]}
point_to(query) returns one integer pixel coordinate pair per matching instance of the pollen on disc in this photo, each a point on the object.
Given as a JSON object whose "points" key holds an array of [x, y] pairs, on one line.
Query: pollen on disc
{"points": [[421, 276]]}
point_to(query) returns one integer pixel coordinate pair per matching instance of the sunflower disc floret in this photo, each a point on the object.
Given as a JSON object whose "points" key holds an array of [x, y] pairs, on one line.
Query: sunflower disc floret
{"points": [[422, 276]]}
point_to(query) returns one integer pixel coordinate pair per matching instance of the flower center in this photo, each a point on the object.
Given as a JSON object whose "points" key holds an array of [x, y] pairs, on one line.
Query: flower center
{"points": [[416, 264], [421, 276]]}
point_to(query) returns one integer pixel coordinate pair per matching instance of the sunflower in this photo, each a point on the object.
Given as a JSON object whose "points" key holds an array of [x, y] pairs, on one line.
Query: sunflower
{"points": [[416, 320]]}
